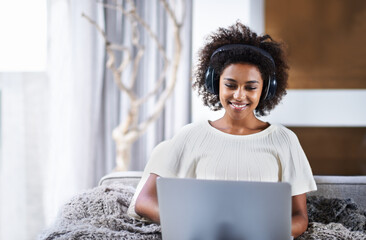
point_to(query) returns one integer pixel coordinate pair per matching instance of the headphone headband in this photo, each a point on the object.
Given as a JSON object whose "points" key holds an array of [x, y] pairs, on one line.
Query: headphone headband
{"points": [[230, 47]]}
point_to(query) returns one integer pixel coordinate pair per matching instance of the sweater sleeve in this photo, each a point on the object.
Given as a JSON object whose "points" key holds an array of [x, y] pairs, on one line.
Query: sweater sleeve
{"points": [[296, 169], [166, 160]]}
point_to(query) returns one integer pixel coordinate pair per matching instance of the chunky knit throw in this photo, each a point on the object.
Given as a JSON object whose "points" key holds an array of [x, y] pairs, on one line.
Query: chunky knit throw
{"points": [[338, 219], [100, 213]]}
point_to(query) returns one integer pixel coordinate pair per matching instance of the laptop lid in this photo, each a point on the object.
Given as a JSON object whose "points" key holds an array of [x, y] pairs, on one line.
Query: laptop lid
{"points": [[192, 209]]}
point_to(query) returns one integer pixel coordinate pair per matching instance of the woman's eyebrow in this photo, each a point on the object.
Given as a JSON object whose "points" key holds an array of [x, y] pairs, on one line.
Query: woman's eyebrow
{"points": [[253, 81], [233, 80], [230, 79]]}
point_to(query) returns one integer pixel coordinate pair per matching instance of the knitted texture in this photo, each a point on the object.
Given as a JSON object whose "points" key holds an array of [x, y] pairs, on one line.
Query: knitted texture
{"points": [[100, 213], [333, 218]]}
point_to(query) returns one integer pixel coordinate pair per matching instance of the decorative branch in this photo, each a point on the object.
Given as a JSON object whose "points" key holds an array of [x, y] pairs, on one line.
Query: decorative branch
{"points": [[111, 58], [140, 53], [129, 130]]}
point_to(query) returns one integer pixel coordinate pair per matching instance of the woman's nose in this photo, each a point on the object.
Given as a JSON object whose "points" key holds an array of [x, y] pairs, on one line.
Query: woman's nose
{"points": [[239, 94]]}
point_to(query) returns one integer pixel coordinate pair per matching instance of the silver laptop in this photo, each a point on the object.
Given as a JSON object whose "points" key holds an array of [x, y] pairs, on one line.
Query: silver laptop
{"points": [[192, 209]]}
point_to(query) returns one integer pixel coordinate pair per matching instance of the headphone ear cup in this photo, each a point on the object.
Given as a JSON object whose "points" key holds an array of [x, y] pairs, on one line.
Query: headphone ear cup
{"points": [[211, 84], [271, 88]]}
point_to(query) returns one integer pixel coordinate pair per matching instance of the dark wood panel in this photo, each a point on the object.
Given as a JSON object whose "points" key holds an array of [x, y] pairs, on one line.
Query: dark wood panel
{"points": [[325, 41], [334, 150]]}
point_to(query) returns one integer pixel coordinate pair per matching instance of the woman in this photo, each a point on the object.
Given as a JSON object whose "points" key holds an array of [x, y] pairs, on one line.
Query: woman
{"points": [[246, 75]]}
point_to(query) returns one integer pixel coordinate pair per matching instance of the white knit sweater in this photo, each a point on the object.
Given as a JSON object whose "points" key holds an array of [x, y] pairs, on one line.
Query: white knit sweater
{"points": [[204, 152]]}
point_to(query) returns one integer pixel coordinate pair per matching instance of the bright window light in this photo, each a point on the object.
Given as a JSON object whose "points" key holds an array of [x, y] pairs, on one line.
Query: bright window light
{"points": [[23, 41]]}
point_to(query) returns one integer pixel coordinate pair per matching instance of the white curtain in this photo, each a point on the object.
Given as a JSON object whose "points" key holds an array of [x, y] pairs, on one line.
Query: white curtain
{"points": [[75, 71]]}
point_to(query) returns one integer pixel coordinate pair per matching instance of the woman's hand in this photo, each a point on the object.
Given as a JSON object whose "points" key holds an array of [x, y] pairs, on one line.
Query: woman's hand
{"points": [[147, 202], [299, 215]]}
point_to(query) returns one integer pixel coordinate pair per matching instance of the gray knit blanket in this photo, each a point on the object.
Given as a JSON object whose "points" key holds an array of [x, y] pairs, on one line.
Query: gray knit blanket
{"points": [[100, 213], [334, 219]]}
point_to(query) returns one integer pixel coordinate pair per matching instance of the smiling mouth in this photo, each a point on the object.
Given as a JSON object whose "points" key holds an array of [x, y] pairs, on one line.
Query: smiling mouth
{"points": [[238, 106]]}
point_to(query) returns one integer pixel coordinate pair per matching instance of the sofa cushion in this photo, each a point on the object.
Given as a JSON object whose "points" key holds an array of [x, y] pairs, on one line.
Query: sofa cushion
{"points": [[342, 187]]}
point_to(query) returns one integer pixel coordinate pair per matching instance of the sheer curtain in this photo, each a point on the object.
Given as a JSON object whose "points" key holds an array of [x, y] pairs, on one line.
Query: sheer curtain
{"points": [[75, 71]]}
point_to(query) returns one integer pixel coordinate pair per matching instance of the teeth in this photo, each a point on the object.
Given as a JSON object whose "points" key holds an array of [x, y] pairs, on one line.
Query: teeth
{"points": [[238, 106]]}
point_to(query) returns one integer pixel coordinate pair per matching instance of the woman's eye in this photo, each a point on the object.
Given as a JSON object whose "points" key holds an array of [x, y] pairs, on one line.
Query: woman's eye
{"points": [[230, 85], [251, 88]]}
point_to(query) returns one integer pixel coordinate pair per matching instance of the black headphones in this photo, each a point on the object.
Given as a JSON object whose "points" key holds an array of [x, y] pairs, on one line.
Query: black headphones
{"points": [[212, 80]]}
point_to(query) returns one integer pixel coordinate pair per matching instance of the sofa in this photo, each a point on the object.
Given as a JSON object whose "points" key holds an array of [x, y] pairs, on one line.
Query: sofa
{"points": [[337, 210], [342, 187]]}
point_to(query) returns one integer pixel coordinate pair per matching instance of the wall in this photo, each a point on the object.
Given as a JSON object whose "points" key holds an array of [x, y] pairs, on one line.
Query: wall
{"points": [[327, 80], [333, 111]]}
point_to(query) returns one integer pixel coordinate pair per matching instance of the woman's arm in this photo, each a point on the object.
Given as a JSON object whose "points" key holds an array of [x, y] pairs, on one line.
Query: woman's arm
{"points": [[147, 202], [299, 215]]}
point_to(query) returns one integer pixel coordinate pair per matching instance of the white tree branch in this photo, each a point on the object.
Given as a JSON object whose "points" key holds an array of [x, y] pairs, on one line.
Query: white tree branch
{"points": [[140, 51], [130, 129], [112, 59]]}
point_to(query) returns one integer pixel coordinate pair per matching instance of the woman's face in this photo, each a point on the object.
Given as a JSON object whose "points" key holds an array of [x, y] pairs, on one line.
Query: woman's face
{"points": [[240, 90]]}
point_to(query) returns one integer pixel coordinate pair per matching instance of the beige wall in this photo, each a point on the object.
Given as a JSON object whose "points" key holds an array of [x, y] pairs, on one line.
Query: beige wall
{"points": [[325, 41]]}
